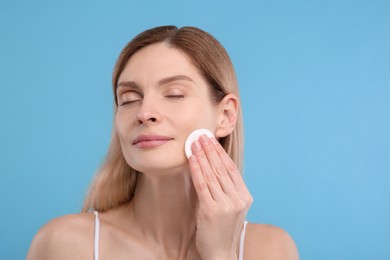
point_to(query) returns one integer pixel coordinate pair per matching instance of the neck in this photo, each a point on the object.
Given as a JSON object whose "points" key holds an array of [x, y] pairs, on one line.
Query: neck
{"points": [[165, 209]]}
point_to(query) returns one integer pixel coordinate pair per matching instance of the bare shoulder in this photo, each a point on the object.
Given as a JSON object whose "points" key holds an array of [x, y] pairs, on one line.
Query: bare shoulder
{"points": [[67, 237], [269, 242]]}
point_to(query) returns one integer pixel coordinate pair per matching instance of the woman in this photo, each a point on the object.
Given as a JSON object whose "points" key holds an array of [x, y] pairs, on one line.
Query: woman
{"points": [[149, 200]]}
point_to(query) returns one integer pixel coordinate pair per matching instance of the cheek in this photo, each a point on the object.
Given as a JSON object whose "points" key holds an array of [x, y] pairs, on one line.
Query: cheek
{"points": [[196, 117], [121, 126]]}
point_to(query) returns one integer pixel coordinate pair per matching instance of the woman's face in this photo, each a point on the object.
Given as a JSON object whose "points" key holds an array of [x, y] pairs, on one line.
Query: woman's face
{"points": [[161, 99]]}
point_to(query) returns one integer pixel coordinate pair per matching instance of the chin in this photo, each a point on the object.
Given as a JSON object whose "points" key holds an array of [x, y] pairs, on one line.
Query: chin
{"points": [[159, 164]]}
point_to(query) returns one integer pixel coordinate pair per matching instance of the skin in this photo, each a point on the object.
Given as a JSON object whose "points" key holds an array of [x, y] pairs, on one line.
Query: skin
{"points": [[182, 209]]}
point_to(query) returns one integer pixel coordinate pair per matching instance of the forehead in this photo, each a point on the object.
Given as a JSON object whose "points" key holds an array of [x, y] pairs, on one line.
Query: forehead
{"points": [[158, 61]]}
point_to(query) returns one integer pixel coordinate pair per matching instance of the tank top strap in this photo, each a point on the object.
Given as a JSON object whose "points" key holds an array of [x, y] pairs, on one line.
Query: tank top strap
{"points": [[97, 231], [242, 240]]}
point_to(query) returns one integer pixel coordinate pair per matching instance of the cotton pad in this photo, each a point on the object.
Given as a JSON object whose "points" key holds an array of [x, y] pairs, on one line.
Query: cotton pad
{"points": [[195, 136]]}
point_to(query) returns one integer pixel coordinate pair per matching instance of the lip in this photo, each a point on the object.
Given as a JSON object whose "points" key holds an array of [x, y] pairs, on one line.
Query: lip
{"points": [[149, 141]]}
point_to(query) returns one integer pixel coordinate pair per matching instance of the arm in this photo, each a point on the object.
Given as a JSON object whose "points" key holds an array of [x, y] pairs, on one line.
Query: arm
{"points": [[224, 200]]}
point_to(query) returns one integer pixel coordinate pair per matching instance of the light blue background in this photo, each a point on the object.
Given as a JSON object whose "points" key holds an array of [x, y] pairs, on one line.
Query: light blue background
{"points": [[315, 86]]}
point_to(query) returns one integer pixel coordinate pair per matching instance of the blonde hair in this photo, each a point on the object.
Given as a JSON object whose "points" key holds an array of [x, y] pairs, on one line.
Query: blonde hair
{"points": [[115, 181]]}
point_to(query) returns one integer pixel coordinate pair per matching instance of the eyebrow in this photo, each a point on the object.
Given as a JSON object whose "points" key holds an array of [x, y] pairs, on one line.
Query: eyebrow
{"points": [[161, 82], [167, 80]]}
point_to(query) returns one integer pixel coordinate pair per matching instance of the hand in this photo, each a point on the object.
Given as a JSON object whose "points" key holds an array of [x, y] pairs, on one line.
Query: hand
{"points": [[224, 200]]}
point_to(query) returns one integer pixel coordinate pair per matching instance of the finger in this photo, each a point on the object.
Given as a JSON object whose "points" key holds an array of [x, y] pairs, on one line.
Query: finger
{"points": [[216, 165], [231, 167], [200, 184], [208, 174]]}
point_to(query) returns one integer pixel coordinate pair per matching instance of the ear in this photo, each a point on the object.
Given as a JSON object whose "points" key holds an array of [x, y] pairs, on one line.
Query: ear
{"points": [[227, 117]]}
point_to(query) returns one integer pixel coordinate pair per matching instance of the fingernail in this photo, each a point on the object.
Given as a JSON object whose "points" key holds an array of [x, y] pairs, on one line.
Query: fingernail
{"points": [[204, 139], [214, 141], [197, 145]]}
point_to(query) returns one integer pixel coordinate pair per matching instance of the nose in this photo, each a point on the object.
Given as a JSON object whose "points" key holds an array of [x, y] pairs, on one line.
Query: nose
{"points": [[148, 113]]}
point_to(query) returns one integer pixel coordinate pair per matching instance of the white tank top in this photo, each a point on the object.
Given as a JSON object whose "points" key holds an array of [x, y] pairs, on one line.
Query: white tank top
{"points": [[97, 231]]}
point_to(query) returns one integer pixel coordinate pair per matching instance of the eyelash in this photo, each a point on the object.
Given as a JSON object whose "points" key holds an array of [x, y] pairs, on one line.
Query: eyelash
{"points": [[168, 96], [175, 96], [128, 102]]}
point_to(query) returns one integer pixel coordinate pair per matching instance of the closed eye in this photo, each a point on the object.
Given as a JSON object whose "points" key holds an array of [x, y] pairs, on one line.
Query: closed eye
{"points": [[129, 97], [128, 102], [175, 96]]}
